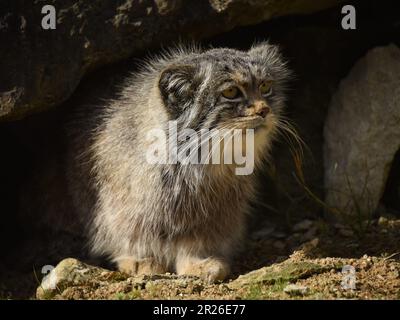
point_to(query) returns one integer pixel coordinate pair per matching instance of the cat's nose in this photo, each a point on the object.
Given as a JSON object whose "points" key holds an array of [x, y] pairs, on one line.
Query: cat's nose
{"points": [[262, 110]]}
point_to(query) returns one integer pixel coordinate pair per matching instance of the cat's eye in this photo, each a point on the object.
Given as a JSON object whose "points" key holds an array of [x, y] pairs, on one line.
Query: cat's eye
{"points": [[231, 93], [266, 87]]}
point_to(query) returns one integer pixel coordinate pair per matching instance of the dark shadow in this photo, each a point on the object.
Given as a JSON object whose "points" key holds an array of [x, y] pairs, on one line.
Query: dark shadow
{"points": [[391, 196]]}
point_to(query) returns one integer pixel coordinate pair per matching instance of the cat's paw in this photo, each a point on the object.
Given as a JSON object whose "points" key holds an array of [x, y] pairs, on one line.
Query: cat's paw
{"points": [[210, 269], [133, 266]]}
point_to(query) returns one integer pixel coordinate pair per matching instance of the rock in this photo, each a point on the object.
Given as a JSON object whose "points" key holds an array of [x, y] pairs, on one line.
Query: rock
{"points": [[382, 222], [310, 234], [263, 233], [296, 290], [302, 225], [339, 225], [296, 236], [91, 34], [362, 132], [279, 234], [70, 273], [306, 249], [366, 262], [285, 271], [345, 232]]}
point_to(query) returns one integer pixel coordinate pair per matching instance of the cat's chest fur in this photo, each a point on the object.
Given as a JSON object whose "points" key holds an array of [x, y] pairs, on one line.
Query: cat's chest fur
{"points": [[192, 202]]}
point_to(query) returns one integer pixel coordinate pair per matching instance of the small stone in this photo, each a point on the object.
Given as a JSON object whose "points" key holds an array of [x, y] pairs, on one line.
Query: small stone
{"points": [[346, 232], [197, 288], [279, 235], [338, 226], [262, 233], [182, 283], [303, 225], [310, 234], [69, 273], [382, 221], [296, 236], [296, 290]]}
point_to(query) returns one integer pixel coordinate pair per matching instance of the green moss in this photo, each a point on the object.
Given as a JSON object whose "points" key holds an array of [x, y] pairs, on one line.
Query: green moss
{"points": [[284, 272], [255, 292], [47, 294], [264, 292], [133, 295]]}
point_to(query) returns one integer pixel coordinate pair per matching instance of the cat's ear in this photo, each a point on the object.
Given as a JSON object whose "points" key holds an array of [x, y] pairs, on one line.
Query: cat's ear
{"points": [[269, 57], [265, 51], [176, 85]]}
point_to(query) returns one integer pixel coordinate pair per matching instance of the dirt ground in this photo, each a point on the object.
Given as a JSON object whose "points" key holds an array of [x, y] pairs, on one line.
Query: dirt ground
{"points": [[313, 260]]}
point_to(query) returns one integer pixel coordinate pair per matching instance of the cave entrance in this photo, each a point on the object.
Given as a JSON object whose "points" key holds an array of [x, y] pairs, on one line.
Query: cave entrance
{"points": [[391, 195]]}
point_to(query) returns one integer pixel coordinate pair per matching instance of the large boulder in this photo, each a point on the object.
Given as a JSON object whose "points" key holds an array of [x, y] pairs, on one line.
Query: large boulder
{"points": [[41, 68], [362, 133]]}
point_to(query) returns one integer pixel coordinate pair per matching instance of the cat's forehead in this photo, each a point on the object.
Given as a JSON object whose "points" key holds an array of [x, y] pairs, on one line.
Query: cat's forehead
{"points": [[238, 65], [227, 59]]}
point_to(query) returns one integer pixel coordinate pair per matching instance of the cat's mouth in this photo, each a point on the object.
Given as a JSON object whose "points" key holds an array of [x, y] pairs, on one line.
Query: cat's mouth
{"points": [[250, 122], [254, 122]]}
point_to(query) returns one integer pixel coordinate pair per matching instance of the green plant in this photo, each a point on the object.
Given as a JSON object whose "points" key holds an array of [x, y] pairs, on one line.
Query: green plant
{"points": [[360, 220]]}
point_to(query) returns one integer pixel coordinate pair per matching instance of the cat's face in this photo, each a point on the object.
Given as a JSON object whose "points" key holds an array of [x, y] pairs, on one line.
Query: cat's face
{"points": [[225, 88]]}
